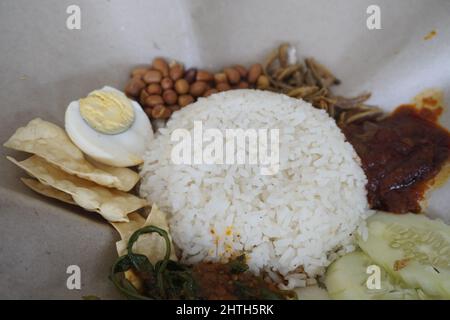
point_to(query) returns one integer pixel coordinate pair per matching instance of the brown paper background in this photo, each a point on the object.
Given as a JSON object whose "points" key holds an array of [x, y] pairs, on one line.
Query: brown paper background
{"points": [[44, 66]]}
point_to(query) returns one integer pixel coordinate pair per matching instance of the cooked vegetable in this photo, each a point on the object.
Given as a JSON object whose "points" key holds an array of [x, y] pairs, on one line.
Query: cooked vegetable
{"points": [[413, 249], [150, 245], [168, 279], [346, 279]]}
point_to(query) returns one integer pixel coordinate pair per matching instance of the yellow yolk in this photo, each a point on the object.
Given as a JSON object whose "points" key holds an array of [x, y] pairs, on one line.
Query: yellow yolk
{"points": [[107, 112]]}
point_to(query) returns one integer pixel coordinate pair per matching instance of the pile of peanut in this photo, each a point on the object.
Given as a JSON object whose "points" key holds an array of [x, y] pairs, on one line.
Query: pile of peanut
{"points": [[164, 88]]}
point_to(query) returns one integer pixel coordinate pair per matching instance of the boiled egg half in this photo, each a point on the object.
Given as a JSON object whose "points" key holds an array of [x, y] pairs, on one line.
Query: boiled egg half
{"points": [[109, 127]]}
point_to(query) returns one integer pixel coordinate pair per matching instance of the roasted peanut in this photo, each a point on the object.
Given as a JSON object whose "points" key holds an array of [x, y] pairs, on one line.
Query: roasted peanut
{"points": [[210, 92], [205, 76], [174, 107], [190, 75], [254, 72], [181, 86], [184, 100], [134, 87], [243, 85], [176, 71], [232, 75], [161, 112], [223, 86], [138, 72], [198, 88], [148, 111], [152, 76], [142, 97], [166, 83], [220, 77], [242, 70], [154, 100], [263, 82], [154, 88], [170, 97], [161, 65]]}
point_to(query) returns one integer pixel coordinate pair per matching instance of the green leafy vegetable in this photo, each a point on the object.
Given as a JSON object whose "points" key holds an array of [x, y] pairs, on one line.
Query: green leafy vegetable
{"points": [[168, 279]]}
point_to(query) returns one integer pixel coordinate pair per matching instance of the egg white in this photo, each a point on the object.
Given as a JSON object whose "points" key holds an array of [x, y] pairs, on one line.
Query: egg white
{"points": [[124, 149]]}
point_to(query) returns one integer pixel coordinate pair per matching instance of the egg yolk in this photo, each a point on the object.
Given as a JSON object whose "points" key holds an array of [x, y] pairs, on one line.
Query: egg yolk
{"points": [[107, 112]]}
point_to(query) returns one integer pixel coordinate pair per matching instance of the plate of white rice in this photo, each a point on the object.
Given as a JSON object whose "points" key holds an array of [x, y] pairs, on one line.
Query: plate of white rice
{"points": [[291, 224]]}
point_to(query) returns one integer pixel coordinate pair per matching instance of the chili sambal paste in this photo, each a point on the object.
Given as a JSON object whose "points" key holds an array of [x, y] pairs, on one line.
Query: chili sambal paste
{"points": [[401, 155]]}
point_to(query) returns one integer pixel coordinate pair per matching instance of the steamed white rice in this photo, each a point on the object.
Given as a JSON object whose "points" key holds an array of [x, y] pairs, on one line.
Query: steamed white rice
{"points": [[303, 217]]}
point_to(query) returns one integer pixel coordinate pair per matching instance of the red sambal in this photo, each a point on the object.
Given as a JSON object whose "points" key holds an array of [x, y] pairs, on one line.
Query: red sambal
{"points": [[400, 155]]}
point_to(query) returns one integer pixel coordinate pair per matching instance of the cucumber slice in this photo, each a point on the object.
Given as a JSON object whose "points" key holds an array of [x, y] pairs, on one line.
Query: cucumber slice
{"points": [[346, 279], [413, 249]]}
